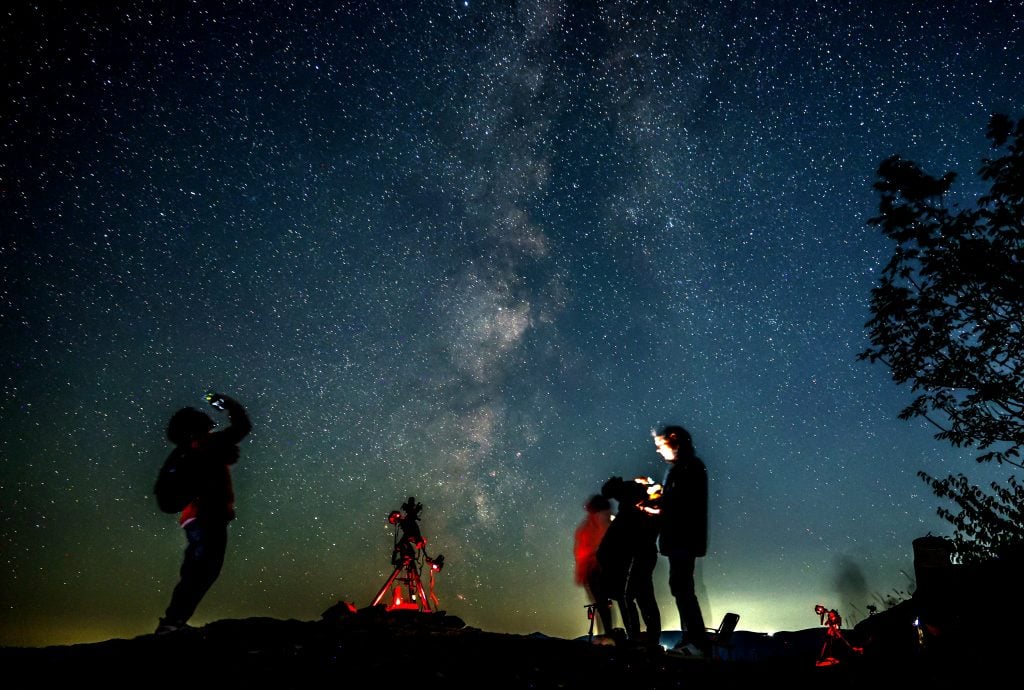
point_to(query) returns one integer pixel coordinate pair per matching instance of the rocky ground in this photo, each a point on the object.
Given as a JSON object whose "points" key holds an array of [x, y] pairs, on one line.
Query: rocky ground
{"points": [[372, 648]]}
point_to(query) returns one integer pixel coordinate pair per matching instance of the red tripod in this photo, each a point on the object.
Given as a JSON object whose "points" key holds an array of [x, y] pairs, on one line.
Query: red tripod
{"points": [[833, 634]]}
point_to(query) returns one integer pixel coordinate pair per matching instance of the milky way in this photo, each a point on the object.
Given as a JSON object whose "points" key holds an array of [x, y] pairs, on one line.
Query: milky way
{"points": [[474, 253]]}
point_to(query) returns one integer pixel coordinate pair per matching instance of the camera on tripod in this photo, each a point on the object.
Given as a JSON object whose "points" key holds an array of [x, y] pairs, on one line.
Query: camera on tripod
{"points": [[410, 538], [829, 654], [409, 555]]}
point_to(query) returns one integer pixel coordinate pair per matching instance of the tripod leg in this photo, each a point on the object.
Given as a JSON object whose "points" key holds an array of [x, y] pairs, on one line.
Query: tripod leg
{"points": [[414, 579], [380, 594], [433, 597]]}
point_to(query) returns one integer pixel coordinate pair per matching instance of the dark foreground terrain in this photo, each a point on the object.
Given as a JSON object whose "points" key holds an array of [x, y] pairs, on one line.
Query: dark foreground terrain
{"points": [[372, 648]]}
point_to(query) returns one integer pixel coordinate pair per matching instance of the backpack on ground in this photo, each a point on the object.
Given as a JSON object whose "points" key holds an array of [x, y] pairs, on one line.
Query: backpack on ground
{"points": [[175, 484]]}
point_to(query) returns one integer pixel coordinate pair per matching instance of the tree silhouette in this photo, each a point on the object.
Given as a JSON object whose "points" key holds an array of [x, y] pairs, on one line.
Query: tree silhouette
{"points": [[948, 318]]}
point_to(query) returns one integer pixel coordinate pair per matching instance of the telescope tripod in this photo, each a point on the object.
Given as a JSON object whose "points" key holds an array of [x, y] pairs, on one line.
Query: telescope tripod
{"points": [[408, 557], [829, 655], [591, 608], [406, 576]]}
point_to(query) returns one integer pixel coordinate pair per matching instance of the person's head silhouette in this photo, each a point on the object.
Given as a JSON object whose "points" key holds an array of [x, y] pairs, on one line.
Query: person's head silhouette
{"points": [[674, 443], [188, 424], [597, 504]]}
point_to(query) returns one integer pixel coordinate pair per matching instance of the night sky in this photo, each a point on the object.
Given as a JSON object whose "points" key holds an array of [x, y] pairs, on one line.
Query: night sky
{"points": [[471, 252]]}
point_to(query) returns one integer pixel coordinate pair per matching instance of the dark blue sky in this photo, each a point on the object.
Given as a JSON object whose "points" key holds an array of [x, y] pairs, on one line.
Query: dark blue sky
{"points": [[471, 252]]}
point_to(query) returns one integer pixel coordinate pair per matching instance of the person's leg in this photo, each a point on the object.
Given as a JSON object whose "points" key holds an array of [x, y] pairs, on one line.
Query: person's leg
{"points": [[614, 573], [603, 605], [630, 618], [204, 558], [630, 610], [641, 590], [683, 588]]}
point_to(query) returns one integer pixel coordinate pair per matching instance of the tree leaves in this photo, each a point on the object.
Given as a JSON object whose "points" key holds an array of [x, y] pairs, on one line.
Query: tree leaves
{"points": [[948, 319]]}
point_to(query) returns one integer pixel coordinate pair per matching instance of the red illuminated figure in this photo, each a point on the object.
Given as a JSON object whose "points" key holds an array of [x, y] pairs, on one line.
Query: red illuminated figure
{"points": [[833, 634], [408, 557]]}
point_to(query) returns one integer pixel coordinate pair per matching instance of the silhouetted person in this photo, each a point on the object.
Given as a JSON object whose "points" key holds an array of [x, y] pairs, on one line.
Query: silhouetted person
{"points": [[589, 534], [209, 455], [684, 530], [628, 555]]}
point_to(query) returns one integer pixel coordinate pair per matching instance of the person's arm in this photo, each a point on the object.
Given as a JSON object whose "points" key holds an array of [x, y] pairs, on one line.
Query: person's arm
{"points": [[240, 425]]}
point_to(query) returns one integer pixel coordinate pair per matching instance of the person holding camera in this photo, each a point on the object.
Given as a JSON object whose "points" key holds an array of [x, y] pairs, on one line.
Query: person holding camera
{"points": [[208, 456]]}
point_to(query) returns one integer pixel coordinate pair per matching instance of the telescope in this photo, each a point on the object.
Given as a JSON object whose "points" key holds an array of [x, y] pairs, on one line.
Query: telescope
{"points": [[409, 556]]}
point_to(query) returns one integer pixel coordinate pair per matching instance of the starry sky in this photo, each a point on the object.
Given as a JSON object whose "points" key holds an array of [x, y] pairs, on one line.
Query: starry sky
{"points": [[471, 252]]}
